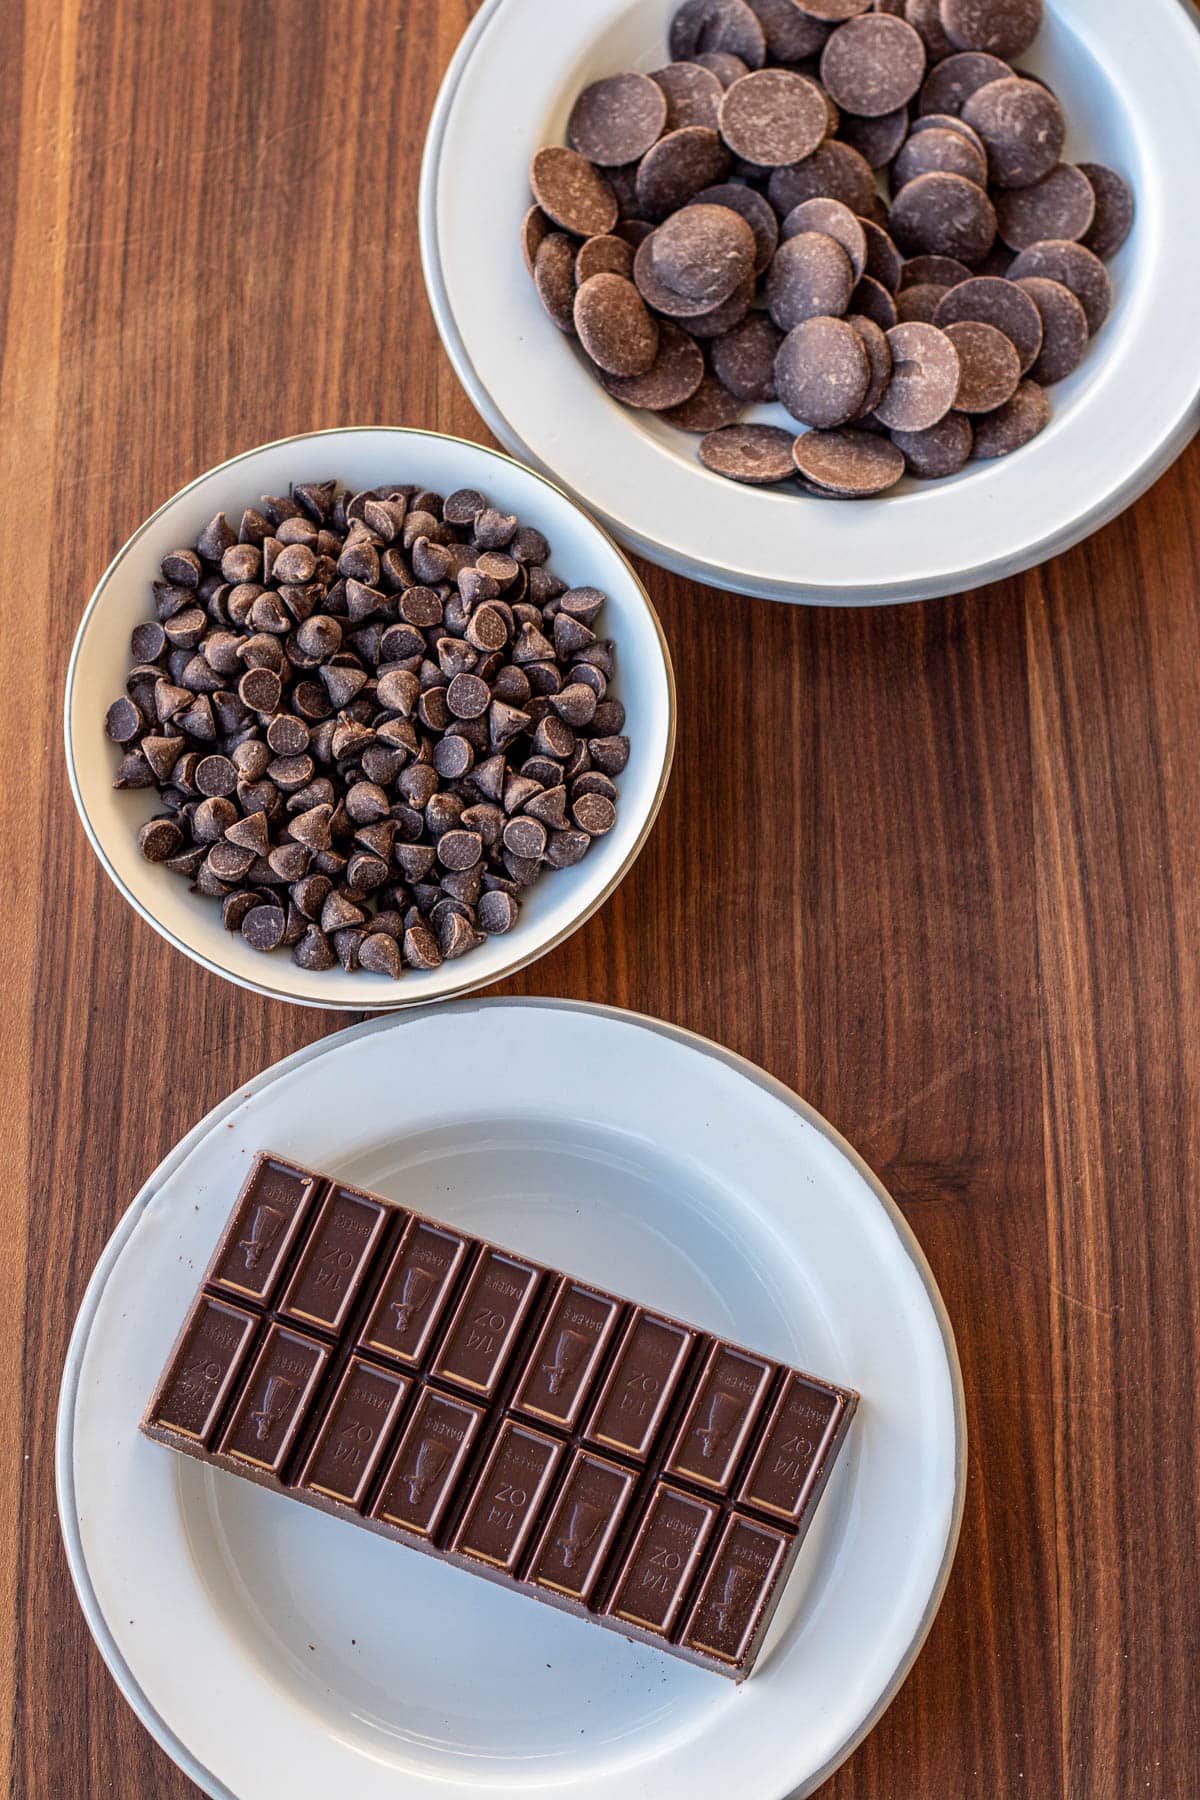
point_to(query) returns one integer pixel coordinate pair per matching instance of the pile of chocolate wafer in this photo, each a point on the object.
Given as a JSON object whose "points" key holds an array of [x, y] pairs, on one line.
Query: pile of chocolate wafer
{"points": [[859, 212]]}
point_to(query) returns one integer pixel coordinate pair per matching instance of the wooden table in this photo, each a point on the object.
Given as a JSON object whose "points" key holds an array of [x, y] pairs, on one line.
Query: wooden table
{"points": [[945, 885]]}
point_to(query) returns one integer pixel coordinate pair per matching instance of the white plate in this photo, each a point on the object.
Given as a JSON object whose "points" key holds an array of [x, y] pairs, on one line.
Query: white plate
{"points": [[365, 457], [271, 1649], [1128, 76]]}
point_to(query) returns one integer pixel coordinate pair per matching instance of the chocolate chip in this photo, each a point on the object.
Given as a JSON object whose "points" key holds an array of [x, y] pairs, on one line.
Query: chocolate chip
{"points": [[496, 913], [673, 377], [1014, 425], [616, 120], [263, 927], [1022, 127], [873, 64], [772, 117], [1065, 334], [942, 450], [1002, 28], [1076, 268], [823, 372], [594, 814], [991, 368], [925, 378], [693, 95], [123, 722], [1061, 205], [159, 839], [677, 167], [849, 463], [993, 301], [811, 277], [571, 192], [756, 454], [421, 948], [1114, 210]]}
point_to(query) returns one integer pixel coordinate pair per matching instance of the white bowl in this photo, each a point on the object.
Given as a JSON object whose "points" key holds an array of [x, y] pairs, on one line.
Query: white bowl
{"points": [[365, 457], [1128, 77]]}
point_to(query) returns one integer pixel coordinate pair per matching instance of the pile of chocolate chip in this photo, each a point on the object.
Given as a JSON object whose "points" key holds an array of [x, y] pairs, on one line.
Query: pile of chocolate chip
{"points": [[373, 719], [715, 237]]}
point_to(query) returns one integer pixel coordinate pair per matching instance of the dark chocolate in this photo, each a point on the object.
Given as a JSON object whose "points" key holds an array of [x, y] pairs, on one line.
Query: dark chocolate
{"points": [[507, 1418]]}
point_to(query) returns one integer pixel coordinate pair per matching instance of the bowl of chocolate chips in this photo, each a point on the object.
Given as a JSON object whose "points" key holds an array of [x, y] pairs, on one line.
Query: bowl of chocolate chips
{"points": [[368, 718], [727, 265]]}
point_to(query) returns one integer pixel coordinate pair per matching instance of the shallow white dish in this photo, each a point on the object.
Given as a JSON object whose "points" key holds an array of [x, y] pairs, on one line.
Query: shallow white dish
{"points": [[1128, 76], [365, 457], [269, 1648]]}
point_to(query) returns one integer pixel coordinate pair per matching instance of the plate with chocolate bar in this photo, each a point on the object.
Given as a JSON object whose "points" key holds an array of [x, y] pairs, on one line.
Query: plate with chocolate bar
{"points": [[517, 1394]]}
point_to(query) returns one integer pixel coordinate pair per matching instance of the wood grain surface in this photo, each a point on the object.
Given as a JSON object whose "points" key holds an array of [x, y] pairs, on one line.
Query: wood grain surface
{"points": [[936, 867]]}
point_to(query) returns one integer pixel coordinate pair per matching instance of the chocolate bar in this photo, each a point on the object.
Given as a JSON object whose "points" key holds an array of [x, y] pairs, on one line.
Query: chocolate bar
{"points": [[502, 1416]]}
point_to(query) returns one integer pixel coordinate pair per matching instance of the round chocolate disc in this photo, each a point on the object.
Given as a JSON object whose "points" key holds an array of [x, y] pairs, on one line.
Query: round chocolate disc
{"points": [[1065, 334], [1114, 211], [616, 120], [925, 16], [939, 152], [877, 140], [1022, 127], [874, 301], [884, 261], [941, 271], [1000, 27], [858, 463], [604, 256], [535, 228], [1013, 426], [993, 301], [944, 215], [941, 451], [710, 408], [614, 325], [873, 64], [823, 373], [723, 318], [950, 84], [571, 192], [833, 12], [673, 171], [991, 368], [773, 117], [1077, 268], [634, 231], [704, 253], [759, 455], [726, 67], [833, 172], [727, 25], [744, 358], [693, 95], [554, 276], [672, 378], [833, 220], [1061, 205], [791, 34], [919, 300], [811, 277], [925, 378], [757, 211], [947, 122], [654, 290], [879, 355]]}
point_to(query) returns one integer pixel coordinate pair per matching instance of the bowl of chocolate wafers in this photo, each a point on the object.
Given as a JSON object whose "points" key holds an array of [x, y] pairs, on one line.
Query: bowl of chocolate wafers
{"points": [[723, 266]]}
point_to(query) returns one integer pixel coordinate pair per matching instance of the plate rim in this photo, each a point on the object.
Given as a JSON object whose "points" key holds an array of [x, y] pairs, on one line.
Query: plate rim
{"points": [[1116, 500], [468, 985], [123, 1675]]}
